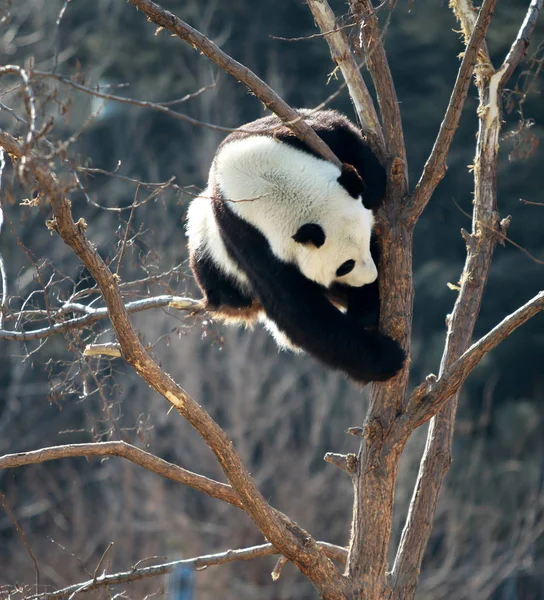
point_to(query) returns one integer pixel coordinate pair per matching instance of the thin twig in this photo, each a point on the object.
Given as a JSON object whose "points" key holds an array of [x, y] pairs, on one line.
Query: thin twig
{"points": [[313, 36], [191, 95], [144, 184], [161, 107], [503, 236], [22, 536], [201, 562], [92, 315], [30, 104], [531, 202], [57, 33], [102, 558]]}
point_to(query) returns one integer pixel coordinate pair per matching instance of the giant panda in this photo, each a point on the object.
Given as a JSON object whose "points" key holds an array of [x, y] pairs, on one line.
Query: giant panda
{"points": [[282, 236]]}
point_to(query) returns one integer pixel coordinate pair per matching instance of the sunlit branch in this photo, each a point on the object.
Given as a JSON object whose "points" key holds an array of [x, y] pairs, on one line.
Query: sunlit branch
{"points": [[435, 167], [212, 488], [458, 359], [427, 398], [92, 315], [201, 562], [342, 55], [370, 40]]}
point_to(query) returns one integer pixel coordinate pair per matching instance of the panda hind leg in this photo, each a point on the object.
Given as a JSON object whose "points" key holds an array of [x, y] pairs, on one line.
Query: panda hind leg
{"points": [[222, 297]]}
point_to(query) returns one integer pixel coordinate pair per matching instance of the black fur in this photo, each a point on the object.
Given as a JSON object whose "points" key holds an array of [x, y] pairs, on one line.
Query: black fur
{"points": [[351, 181], [220, 290], [300, 307], [310, 233]]}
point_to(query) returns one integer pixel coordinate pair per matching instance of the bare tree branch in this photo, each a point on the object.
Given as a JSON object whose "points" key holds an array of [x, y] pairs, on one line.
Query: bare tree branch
{"points": [[466, 15], [271, 100], [158, 106], [342, 55], [22, 536], [370, 40], [435, 167], [480, 246], [290, 539], [313, 36], [519, 47], [427, 399], [92, 315], [107, 349], [377, 462], [532, 203], [3, 273], [30, 103], [153, 463], [346, 462], [201, 562]]}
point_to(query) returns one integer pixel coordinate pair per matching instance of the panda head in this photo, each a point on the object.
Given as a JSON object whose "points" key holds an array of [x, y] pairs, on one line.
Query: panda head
{"points": [[334, 247]]}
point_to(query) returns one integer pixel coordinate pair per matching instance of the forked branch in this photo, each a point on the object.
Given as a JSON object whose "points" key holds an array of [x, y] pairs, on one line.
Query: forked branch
{"points": [[384, 434], [374, 478], [370, 41], [343, 56], [457, 358]]}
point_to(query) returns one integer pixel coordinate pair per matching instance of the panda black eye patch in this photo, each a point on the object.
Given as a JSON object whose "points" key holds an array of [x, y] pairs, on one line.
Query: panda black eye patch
{"points": [[345, 268]]}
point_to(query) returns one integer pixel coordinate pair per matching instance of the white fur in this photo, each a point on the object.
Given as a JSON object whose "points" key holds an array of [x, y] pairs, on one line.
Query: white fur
{"points": [[203, 234], [281, 339], [278, 189]]}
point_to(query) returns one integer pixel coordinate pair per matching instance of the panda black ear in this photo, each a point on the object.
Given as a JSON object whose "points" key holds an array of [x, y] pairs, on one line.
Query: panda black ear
{"points": [[310, 233], [351, 181]]}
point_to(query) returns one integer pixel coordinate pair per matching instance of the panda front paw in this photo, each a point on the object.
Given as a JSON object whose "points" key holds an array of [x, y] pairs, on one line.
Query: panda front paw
{"points": [[386, 357], [390, 358], [369, 320]]}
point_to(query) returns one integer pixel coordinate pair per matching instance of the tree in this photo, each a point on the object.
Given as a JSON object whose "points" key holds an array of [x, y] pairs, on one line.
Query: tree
{"points": [[52, 177]]}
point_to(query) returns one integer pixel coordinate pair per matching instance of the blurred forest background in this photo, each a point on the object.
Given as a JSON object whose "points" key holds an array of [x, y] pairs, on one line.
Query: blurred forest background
{"points": [[282, 412]]}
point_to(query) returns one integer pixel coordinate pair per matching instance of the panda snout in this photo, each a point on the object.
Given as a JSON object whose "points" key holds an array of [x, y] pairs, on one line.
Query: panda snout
{"points": [[365, 274]]}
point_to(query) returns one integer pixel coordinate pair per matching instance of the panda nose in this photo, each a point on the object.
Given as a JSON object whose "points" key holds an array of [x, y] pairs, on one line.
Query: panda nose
{"points": [[371, 271]]}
